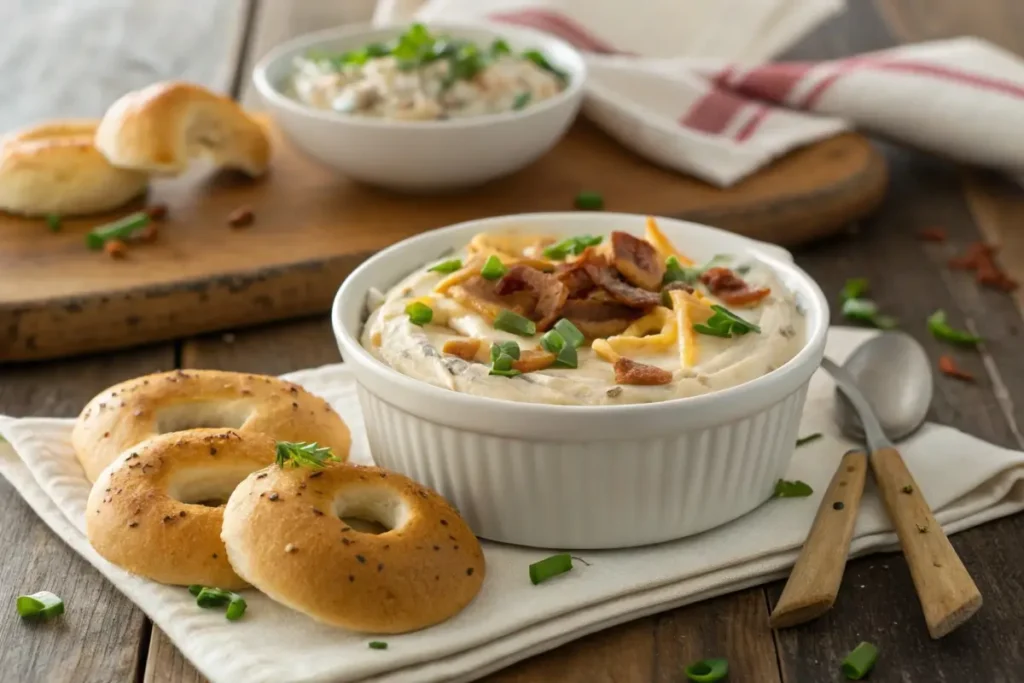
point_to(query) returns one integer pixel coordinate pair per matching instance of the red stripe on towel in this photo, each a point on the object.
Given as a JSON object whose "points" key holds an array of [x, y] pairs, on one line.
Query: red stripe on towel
{"points": [[558, 25], [773, 82], [713, 112], [751, 126]]}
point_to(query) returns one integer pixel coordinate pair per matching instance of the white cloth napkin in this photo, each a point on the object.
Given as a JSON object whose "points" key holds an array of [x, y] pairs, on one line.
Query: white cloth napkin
{"points": [[678, 82], [966, 480]]}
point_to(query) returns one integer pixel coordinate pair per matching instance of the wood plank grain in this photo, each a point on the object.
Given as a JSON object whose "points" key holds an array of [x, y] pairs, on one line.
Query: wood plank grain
{"points": [[99, 635]]}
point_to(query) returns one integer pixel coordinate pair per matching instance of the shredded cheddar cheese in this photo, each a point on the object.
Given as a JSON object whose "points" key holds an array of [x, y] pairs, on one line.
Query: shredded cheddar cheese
{"points": [[471, 268], [682, 304], [604, 350], [662, 245], [637, 338], [510, 245]]}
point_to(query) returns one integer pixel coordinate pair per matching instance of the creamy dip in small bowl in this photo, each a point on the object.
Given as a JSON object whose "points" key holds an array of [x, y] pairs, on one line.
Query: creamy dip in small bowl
{"points": [[623, 470], [395, 128]]}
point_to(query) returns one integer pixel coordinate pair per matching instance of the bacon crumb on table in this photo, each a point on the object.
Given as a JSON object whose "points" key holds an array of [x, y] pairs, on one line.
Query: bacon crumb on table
{"points": [[116, 249], [932, 234], [980, 258], [631, 372], [948, 366]]}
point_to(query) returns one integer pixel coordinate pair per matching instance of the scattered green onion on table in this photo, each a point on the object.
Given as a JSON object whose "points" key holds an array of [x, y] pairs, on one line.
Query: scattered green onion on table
{"points": [[42, 605], [121, 229], [860, 661], [792, 489], [803, 440], [378, 645], [550, 567], [53, 222], [942, 330], [589, 201], [208, 598]]}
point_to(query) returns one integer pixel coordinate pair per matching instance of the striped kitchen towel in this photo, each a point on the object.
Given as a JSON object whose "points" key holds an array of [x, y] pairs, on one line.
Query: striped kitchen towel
{"points": [[687, 84]]}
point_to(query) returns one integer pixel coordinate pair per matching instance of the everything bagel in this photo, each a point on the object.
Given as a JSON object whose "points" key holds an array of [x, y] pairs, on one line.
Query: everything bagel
{"points": [[157, 510], [129, 413], [285, 533]]}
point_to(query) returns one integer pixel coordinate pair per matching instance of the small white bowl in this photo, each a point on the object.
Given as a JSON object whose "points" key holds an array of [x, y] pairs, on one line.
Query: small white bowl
{"points": [[582, 477], [423, 155]]}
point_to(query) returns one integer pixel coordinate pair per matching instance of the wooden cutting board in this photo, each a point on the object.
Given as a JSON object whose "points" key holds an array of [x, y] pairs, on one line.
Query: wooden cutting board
{"points": [[312, 227]]}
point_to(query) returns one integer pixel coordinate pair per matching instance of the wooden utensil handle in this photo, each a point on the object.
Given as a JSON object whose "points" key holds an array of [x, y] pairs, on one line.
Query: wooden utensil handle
{"points": [[948, 594], [814, 582]]}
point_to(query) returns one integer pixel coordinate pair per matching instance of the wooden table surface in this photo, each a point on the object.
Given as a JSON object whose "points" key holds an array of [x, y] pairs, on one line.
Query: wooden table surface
{"points": [[69, 58]]}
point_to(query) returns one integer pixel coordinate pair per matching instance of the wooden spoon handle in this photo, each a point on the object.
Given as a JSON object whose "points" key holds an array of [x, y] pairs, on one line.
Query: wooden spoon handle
{"points": [[814, 582], [946, 590]]}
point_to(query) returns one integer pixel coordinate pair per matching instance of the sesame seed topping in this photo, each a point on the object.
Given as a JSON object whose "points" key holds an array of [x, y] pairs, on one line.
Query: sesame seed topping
{"points": [[360, 559], [346, 541], [132, 525], [182, 513], [317, 513], [437, 547], [469, 572], [273, 496], [290, 548], [215, 556], [315, 475], [444, 522], [351, 578], [261, 475], [380, 567], [213, 450]]}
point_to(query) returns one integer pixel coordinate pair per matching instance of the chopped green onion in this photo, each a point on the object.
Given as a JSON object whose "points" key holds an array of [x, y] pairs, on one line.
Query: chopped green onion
{"points": [[378, 645], [419, 313], [791, 489], [567, 357], [207, 597], [711, 331], [236, 608], [572, 245], [725, 323], [502, 364], [860, 309], [509, 321], [212, 597], [303, 454], [195, 589], [569, 332], [499, 47], [708, 670], [53, 222], [44, 605], [493, 268], [860, 661], [589, 201], [677, 272], [505, 348], [552, 341], [445, 267], [941, 329], [521, 100], [540, 60], [855, 288], [549, 567], [120, 229], [807, 439]]}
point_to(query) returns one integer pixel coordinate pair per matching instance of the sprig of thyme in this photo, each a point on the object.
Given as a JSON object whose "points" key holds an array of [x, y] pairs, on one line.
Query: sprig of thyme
{"points": [[302, 454]]}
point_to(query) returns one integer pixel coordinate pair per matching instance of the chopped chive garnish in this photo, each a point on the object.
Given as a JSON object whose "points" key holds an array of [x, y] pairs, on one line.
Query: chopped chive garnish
{"points": [[567, 357], [445, 267], [121, 229], [791, 489], [572, 245], [807, 439], [521, 100], [552, 341], [855, 288], [907, 489], [707, 670], [502, 364], [302, 454], [42, 605], [941, 329], [419, 313], [493, 268], [857, 307], [540, 60], [860, 661], [569, 332], [505, 348], [509, 321], [378, 645], [499, 47], [725, 323], [208, 598], [549, 567], [589, 201], [53, 222]]}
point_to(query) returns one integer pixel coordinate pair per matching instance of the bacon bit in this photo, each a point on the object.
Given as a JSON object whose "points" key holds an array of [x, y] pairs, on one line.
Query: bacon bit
{"points": [[241, 217], [948, 366], [597, 318], [980, 257], [464, 348], [115, 249], [147, 234], [478, 295], [932, 234], [623, 292], [156, 212], [631, 372], [532, 361], [551, 293], [574, 276], [637, 261], [731, 288]]}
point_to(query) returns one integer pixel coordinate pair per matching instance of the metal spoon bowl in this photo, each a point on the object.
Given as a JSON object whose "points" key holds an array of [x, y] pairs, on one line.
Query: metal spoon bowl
{"points": [[893, 372]]}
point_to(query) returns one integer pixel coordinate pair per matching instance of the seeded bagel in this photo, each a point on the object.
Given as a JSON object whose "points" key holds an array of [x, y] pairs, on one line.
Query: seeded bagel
{"points": [[286, 534], [129, 413]]}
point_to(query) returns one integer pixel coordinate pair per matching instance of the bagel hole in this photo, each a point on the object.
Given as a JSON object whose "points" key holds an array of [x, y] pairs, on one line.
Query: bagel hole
{"points": [[179, 417], [209, 486], [370, 510]]}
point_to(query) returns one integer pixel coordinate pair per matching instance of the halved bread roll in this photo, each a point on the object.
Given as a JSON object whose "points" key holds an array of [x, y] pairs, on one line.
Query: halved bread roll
{"points": [[54, 168], [160, 128]]}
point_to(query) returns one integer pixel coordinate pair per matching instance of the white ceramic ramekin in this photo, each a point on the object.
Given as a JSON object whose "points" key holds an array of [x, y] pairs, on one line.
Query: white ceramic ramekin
{"points": [[584, 477], [423, 155]]}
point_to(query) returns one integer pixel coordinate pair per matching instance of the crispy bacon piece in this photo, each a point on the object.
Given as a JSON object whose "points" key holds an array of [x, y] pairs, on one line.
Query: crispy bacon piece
{"points": [[597, 318], [637, 261], [980, 257], [948, 366], [731, 288], [607, 279], [534, 360], [932, 234], [631, 372], [678, 284], [574, 276], [549, 291], [465, 348], [479, 295]]}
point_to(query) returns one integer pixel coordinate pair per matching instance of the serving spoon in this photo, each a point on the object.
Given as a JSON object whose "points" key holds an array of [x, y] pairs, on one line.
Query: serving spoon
{"points": [[889, 374]]}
